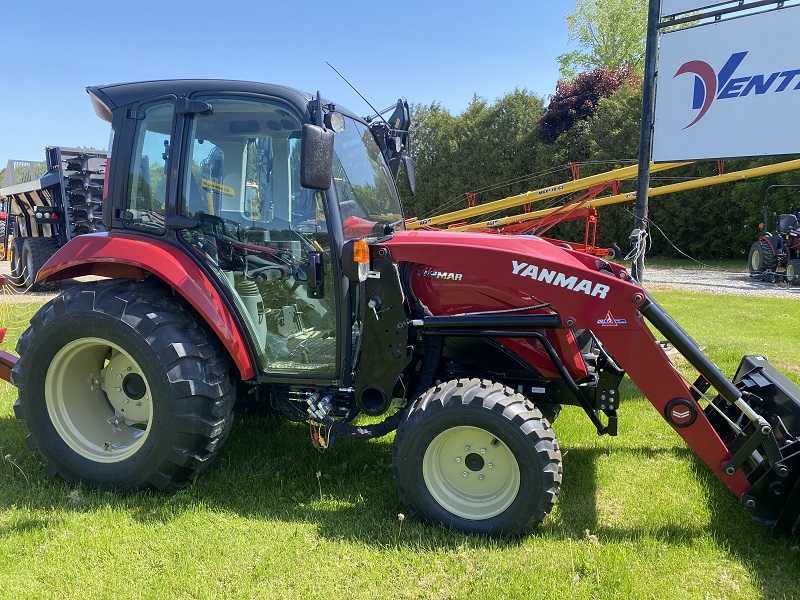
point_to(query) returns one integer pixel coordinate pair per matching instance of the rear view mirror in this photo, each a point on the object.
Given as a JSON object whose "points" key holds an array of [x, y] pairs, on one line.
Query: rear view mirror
{"points": [[411, 174], [316, 157]]}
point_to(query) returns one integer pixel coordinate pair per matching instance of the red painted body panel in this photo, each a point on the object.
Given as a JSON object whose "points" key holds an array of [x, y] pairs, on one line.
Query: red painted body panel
{"points": [[7, 362], [126, 255], [484, 272]]}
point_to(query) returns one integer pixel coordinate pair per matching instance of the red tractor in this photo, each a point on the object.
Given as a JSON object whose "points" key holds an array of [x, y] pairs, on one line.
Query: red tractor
{"points": [[775, 257], [311, 299]]}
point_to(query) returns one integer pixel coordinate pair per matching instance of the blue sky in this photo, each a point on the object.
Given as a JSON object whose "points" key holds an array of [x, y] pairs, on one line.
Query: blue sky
{"points": [[428, 51]]}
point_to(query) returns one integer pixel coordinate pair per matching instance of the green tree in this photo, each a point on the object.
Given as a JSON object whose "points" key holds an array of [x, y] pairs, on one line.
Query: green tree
{"points": [[608, 34], [485, 149]]}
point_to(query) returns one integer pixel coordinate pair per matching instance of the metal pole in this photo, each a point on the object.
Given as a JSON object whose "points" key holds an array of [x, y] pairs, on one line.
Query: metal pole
{"points": [[639, 234]]}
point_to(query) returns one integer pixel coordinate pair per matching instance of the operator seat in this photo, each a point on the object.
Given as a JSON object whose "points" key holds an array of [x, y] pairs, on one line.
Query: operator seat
{"points": [[786, 223]]}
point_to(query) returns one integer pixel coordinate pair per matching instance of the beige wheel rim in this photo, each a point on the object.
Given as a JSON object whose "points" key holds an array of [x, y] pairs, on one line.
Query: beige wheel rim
{"points": [[98, 400], [471, 473]]}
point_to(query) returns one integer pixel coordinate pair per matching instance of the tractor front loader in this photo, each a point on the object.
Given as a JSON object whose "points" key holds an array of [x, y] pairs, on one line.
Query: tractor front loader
{"points": [[311, 298]]}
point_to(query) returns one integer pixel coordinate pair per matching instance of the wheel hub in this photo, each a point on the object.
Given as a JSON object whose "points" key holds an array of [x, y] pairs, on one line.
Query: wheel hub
{"points": [[474, 462], [471, 473], [125, 387]]}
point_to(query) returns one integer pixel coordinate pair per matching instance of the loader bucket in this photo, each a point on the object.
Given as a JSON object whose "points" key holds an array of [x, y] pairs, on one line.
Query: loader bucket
{"points": [[774, 465]]}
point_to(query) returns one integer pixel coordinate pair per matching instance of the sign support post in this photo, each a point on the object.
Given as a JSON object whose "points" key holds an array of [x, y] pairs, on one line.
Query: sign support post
{"points": [[640, 226]]}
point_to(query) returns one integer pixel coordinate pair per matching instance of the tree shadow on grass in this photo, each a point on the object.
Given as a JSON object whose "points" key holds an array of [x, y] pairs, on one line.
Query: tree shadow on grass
{"points": [[266, 471], [269, 471]]}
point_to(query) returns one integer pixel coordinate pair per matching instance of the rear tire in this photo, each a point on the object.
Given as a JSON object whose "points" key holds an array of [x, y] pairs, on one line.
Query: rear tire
{"points": [[120, 387], [793, 272], [17, 278], [761, 258], [36, 252], [475, 456]]}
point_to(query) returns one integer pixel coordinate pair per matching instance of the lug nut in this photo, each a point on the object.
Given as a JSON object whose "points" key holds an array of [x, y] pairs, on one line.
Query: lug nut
{"points": [[483, 450], [466, 474], [458, 459], [466, 447], [490, 465]]}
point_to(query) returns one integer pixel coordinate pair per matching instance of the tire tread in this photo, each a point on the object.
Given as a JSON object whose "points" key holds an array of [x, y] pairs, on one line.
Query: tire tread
{"points": [[197, 365]]}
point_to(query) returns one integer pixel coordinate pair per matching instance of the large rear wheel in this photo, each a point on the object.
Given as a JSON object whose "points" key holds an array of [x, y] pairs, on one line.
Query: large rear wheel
{"points": [[475, 456], [761, 258], [120, 387]]}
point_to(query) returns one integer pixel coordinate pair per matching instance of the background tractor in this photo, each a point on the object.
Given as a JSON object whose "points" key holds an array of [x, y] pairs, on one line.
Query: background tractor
{"points": [[776, 256]]}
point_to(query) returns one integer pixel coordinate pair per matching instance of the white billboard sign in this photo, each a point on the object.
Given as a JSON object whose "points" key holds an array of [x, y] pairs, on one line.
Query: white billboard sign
{"points": [[730, 89], [674, 7]]}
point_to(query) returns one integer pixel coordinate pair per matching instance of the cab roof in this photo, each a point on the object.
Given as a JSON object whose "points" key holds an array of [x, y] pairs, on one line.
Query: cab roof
{"points": [[107, 98]]}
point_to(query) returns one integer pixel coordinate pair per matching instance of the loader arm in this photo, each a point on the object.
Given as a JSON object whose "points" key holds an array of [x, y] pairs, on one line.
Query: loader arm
{"points": [[646, 363]]}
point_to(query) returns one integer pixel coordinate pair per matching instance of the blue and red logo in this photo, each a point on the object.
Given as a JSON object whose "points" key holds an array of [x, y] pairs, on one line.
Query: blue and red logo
{"points": [[710, 85]]}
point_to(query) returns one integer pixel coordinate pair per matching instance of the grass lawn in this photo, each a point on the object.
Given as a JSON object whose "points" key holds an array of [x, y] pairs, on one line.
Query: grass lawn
{"points": [[639, 515]]}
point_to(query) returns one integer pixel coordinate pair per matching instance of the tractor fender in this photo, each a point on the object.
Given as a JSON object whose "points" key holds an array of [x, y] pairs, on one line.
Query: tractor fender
{"points": [[121, 255]]}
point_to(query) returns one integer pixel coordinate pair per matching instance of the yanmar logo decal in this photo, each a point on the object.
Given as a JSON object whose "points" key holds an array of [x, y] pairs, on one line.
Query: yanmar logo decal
{"points": [[441, 275], [710, 85], [558, 279]]}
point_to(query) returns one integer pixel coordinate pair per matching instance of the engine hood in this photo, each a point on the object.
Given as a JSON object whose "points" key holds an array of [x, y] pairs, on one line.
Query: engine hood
{"points": [[455, 272]]}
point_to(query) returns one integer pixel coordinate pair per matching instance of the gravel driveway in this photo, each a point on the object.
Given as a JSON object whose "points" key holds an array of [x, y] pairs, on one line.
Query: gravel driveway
{"points": [[715, 282]]}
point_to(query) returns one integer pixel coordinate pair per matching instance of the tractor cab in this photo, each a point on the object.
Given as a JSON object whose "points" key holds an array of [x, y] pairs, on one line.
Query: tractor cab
{"points": [[220, 174]]}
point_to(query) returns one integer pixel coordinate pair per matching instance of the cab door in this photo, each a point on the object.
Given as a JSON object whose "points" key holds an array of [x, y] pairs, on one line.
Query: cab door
{"points": [[263, 234]]}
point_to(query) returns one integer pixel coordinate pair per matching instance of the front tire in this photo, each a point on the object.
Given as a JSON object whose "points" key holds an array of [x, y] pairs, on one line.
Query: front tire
{"points": [[120, 387], [793, 272], [475, 456]]}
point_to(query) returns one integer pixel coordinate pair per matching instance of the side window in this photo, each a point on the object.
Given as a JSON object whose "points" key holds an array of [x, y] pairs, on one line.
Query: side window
{"points": [[147, 190]]}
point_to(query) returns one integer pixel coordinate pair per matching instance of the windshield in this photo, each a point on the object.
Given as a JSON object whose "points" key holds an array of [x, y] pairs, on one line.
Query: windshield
{"points": [[365, 188]]}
